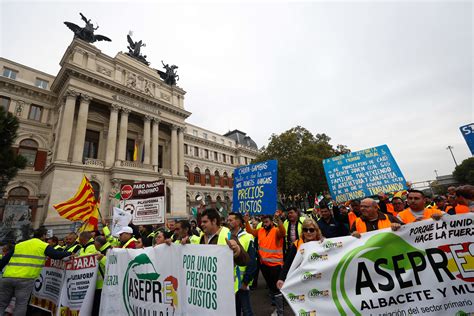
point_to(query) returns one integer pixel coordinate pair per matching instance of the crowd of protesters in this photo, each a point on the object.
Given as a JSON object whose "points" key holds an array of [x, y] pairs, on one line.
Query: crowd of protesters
{"points": [[266, 244]]}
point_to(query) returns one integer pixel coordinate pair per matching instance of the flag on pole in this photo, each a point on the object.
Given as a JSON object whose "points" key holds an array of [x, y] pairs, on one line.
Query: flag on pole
{"points": [[82, 206], [135, 152]]}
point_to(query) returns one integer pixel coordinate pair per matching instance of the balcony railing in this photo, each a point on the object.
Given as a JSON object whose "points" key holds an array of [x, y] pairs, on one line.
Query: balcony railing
{"points": [[94, 162], [135, 164]]}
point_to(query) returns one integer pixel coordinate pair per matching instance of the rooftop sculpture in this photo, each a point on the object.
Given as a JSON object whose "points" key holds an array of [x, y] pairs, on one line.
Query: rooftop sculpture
{"points": [[86, 33]]}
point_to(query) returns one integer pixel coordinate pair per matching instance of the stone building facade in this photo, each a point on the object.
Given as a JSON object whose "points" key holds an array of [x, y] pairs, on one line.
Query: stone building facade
{"points": [[114, 120]]}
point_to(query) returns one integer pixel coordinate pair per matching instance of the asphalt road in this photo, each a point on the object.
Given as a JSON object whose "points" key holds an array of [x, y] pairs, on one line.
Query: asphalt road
{"points": [[261, 302]]}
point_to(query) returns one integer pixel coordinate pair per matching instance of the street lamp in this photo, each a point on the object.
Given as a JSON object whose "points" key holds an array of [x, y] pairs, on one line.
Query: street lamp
{"points": [[436, 173], [450, 148]]}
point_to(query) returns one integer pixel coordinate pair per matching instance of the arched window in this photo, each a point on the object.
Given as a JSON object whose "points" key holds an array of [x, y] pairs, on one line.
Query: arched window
{"points": [[218, 202], [208, 201], [208, 176], [96, 188], [28, 149], [186, 173], [225, 180], [197, 175], [217, 178]]}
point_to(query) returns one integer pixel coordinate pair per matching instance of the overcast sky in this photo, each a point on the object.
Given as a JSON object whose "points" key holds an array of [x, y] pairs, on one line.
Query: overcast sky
{"points": [[364, 73]]}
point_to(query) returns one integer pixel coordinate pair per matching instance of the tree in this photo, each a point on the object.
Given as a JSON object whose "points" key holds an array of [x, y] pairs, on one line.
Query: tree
{"points": [[10, 163], [464, 173], [300, 157]]}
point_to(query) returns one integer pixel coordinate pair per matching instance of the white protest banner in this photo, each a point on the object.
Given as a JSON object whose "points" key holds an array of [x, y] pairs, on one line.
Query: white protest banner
{"points": [[425, 268], [48, 285], [145, 201], [66, 287], [169, 280], [120, 219]]}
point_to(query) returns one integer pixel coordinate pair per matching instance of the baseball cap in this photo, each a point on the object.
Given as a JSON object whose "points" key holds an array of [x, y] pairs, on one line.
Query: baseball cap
{"points": [[125, 229]]}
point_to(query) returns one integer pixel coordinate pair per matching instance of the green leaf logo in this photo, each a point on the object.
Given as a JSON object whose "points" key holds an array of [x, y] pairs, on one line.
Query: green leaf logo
{"points": [[310, 276], [383, 245]]}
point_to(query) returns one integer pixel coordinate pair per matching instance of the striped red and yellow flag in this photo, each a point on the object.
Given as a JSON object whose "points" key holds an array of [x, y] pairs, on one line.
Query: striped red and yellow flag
{"points": [[80, 207], [92, 223]]}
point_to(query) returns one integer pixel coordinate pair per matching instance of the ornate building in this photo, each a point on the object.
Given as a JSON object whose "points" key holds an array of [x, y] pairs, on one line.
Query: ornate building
{"points": [[116, 121]]}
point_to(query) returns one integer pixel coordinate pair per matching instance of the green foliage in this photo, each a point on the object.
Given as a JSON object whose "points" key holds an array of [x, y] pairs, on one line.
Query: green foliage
{"points": [[10, 163], [464, 173], [300, 157]]}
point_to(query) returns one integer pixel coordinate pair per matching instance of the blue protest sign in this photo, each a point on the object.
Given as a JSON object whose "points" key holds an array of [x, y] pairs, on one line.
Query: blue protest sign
{"points": [[363, 173], [468, 133], [255, 188]]}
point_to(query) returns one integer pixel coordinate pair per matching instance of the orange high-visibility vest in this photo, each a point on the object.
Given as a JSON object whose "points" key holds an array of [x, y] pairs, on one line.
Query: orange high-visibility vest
{"points": [[461, 209], [407, 217], [361, 227], [270, 247], [298, 243], [390, 209], [352, 218]]}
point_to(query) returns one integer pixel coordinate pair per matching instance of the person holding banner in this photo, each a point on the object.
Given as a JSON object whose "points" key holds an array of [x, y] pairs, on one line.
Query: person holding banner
{"points": [[102, 246], [416, 210], [87, 244], [465, 199], [126, 238], [243, 275], [71, 243], [270, 249], [22, 266], [182, 230], [311, 232], [372, 219]]}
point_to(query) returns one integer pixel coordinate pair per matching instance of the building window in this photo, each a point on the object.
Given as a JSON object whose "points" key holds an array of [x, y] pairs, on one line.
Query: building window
{"points": [[35, 113], [196, 151], [10, 73], [186, 173], [40, 83], [130, 149], [214, 138], [215, 155], [28, 149], [206, 153], [217, 178], [195, 132], [160, 156], [225, 179], [91, 144], [208, 176], [18, 196], [224, 158], [186, 149], [197, 175], [4, 102], [231, 160], [204, 135]]}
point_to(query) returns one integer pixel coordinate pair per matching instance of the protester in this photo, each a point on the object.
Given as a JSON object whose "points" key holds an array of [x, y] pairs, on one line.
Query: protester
{"points": [[22, 266], [329, 226], [54, 242], [162, 236], [194, 228], [183, 229], [146, 235], [292, 227], [102, 246], [384, 204], [465, 199], [398, 204], [87, 244], [270, 249], [440, 203], [416, 210], [139, 243], [243, 274], [71, 243], [126, 238], [372, 219], [311, 232]]}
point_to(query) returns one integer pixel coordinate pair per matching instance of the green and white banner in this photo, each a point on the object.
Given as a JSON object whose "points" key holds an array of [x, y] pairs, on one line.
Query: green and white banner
{"points": [[169, 280], [424, 268]]}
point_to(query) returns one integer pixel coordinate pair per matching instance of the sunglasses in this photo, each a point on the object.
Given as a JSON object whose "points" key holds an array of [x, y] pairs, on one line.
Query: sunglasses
{"points": [[309, 230]]}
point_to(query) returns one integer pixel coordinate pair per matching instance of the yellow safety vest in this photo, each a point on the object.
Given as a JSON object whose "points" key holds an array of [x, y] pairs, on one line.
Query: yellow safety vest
{"points": [[89, 250], [193, 240], [99, 283], [245, 239], [108, 236], [128, 242], [223, 234], [27, 260], [299, 225]]}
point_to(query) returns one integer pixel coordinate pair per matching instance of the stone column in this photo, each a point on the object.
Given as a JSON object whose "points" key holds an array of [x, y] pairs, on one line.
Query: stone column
{"points": [[146, 139], [174, 149], [81, 128], [154, 143], [123, 133], [181, 151], [66, 125], [112, 136]]}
